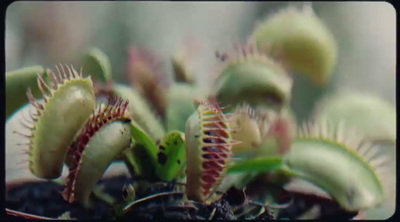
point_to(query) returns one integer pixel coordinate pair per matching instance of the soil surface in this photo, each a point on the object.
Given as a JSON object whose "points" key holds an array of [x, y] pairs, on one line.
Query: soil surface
{"points": [[44, 199]]}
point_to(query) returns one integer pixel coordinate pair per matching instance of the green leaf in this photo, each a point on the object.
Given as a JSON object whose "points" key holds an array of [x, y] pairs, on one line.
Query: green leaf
{"points": [[143, 156], [171, 157], [257, 164]]}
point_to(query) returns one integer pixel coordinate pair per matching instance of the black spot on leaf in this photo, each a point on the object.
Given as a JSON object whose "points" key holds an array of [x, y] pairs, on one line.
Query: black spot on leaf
{"points": [[162, 158]]}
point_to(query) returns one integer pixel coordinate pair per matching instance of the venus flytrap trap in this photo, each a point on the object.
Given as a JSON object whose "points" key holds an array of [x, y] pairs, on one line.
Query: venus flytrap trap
{"points": [[341, 162], [17, 82], [301, 40], [254, 78], [209, 143], [48, 140], [106, 134]]}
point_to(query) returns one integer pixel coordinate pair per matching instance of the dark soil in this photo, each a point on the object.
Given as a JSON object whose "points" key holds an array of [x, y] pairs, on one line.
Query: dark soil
{"points": [[44, 199], [304, 202]]}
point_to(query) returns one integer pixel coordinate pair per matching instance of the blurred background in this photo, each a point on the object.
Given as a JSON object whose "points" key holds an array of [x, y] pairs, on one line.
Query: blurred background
{"points": [[48, 33]]}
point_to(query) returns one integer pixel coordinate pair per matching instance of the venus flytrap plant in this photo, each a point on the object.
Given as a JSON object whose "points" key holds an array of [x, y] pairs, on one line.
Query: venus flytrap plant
{"points": [[207, 152], [261, 131], [91, 154], [105, 136]]}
